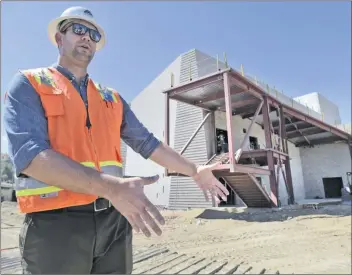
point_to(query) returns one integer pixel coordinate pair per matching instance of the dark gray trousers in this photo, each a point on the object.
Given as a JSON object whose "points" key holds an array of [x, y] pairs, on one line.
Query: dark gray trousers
{"points": [[76, 240]]}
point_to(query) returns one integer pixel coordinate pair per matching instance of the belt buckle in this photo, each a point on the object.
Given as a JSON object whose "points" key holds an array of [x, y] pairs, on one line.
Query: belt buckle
{"points": [[100, 209]]}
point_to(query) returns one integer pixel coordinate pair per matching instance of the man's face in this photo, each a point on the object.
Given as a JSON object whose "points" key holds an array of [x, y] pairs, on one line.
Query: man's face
{"points": [[81, 48]]}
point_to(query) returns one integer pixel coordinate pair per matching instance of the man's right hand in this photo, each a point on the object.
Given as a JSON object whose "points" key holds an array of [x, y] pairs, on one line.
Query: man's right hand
{"points": [[129, 199]]}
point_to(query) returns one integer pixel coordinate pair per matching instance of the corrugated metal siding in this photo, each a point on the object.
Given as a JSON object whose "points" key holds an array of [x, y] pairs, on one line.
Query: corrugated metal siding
{"points": [[184, 192]]}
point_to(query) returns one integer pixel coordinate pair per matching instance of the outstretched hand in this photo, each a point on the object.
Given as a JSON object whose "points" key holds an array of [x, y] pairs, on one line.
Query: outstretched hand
{"points": [[209, 184], [129, 199]]}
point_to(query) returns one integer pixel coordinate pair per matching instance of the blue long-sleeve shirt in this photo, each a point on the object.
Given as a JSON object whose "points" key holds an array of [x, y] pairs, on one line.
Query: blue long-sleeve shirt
{"points": [[26, 125]]}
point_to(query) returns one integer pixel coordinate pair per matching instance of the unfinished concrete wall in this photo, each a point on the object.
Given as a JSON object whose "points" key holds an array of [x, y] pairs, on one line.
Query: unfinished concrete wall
{"points": [[311, 101], [296, 172], [329, 111], [330, 160]]}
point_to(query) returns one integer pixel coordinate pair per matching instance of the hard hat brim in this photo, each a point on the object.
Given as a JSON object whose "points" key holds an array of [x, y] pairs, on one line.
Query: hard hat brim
{"points": [[52, 29]]}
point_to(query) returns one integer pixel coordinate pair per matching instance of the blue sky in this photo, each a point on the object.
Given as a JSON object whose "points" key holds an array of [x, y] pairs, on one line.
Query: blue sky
{"points": [[300, 47]]}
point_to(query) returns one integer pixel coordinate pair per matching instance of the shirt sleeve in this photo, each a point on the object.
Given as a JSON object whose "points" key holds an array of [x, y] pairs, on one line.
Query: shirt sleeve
{"points": [[135, 134], [24, 122]]}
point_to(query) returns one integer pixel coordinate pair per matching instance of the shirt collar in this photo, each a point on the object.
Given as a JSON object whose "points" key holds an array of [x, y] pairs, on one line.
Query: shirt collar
{"points": [[69, 75]]}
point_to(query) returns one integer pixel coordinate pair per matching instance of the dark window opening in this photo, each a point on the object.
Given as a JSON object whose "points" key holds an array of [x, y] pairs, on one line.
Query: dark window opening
{"points": [[222, 141], [253, 143]]}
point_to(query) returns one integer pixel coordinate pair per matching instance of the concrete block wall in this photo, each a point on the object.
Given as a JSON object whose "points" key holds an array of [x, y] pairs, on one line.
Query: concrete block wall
{"points": [[328, 160], [328, 111]]}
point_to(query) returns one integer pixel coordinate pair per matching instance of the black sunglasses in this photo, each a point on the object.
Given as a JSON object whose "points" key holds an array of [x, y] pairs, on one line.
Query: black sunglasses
{"points": [[81, 29]]}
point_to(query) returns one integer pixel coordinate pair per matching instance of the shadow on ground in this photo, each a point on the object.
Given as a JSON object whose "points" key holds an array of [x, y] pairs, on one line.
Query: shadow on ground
{"points": [[276, 215]]}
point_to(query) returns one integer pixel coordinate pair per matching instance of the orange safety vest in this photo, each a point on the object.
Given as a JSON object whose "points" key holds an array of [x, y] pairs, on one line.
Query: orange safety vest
{"points": [[97, 147]]}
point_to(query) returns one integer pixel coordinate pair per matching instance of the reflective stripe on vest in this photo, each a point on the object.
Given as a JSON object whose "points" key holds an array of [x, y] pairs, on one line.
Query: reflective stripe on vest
{"points": [[31, 187]]}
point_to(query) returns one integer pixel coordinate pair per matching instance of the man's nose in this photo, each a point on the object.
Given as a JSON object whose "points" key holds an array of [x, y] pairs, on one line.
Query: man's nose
{"points": [[86, 36]]}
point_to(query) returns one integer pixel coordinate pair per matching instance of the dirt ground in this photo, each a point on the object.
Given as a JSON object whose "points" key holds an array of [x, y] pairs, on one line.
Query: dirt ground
{"points": [[291, 240]]}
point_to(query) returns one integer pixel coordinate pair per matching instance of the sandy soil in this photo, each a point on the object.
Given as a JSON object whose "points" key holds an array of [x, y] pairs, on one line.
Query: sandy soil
{"points": [[291, 240]]}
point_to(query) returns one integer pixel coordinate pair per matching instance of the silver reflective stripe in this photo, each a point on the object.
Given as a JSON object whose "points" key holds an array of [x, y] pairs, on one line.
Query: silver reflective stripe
{"points": [[112, 170], [28, 183]]}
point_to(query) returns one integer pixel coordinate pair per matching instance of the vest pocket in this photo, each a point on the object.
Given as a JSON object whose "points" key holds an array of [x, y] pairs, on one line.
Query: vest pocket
{"points": [[53, 105], [113, 115]]}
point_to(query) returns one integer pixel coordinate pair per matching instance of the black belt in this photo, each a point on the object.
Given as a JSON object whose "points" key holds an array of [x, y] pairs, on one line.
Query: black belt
{"points": [[98, 205], [101, 204]]}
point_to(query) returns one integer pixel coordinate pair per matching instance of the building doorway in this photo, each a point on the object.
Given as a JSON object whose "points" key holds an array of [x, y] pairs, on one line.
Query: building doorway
{"points": [[231, 198], [253, 143], [332, 187], [222, 142]]}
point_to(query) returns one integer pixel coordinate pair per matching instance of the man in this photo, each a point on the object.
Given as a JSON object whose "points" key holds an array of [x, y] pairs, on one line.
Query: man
{"points": [[64, 133]]}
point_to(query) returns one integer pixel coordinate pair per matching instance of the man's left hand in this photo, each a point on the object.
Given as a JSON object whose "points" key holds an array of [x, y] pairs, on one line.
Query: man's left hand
{"points": [[206, 181]]}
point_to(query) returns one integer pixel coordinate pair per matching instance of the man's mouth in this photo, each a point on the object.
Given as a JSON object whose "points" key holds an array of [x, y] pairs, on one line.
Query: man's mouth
{"points": [[84, 47]]}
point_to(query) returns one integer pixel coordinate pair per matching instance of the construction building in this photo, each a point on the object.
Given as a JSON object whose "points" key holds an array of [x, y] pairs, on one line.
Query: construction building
{"points": [[275, 150]]}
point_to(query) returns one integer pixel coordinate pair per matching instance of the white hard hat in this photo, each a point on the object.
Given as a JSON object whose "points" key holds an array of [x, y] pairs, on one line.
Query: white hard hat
{"points": [[75, 13]]}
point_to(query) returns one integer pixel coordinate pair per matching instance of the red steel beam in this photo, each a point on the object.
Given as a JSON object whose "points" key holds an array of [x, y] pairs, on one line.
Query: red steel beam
{"points": [[245, 82], [300, 115], [270, 156], [244, 169], [281, 155], [230, 130], [198, 83], [286, 161], [235, 81]]}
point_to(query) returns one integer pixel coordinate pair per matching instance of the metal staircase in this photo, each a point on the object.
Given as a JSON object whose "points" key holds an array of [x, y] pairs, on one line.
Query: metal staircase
{"points": [[246, 186]]}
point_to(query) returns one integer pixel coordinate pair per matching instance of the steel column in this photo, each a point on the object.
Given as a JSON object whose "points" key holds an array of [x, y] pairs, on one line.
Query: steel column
{"points": [[270, 156], [230, 134], [287, 161]]}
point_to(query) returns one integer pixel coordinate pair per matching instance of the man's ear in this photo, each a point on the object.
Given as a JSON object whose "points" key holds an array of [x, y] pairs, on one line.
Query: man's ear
{"points": [[58, 39]]}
